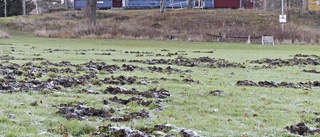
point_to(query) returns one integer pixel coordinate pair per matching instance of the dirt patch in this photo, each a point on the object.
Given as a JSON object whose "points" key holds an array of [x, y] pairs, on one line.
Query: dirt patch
{"points": [[12, 73], [81, 111], [297, 60], [311, 71], [306, 56], [151, 93], [216, 92], [193, 62], [302, 85], [202, 51], [168, 69], [7, 57], [187, 133], [102, 53], [157, 130], [302, 129], [120, 80], [137, 99], [88, 91]]}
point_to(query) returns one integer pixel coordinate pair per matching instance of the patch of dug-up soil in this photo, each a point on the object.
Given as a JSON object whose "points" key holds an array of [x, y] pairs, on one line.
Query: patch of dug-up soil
{"points": [[216, 92], [151, 93], [193, 62], [120, 80], [26, 77], [302, 129], [168, 69], [7, 57], [11, 83], [306, 56], [297, 60], [311, 71], [137, 99], [165, 130], [81, 111], [302, 85]]}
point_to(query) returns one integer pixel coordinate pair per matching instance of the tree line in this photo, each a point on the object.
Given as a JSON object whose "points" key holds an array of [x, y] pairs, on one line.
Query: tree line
{"points": [[15, 7]]}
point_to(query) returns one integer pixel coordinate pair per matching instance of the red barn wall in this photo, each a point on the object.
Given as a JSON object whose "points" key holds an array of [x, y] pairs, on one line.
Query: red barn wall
{"points": [[250, 4], [227, 3]]}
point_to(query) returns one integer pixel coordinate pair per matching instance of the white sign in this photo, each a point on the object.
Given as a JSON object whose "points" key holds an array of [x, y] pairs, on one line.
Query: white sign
{"points": [[282, 18], [100, 2]]}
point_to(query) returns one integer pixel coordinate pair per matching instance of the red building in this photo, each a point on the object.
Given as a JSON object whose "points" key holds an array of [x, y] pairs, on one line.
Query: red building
{"points": [[234, 4]]}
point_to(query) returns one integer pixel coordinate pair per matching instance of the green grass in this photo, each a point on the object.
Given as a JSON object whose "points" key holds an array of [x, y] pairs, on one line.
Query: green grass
{"points": [[255, 111]]}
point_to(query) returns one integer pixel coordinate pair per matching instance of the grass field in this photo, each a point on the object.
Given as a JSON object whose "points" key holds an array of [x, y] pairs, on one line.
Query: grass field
{"points": [[238, 110]]}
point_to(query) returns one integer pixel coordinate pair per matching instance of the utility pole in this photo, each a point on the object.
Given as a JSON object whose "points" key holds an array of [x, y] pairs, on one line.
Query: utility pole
{"points": [[24, 7], [5, 8]]}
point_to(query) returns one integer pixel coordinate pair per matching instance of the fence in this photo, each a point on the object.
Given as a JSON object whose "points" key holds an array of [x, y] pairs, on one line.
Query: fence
{"points": [[223, 38]]}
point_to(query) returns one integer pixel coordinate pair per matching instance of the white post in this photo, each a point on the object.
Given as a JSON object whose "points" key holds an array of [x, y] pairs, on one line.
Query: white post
{"points": [[5, 8], [24, 7], [282, 13], [249, 41]]}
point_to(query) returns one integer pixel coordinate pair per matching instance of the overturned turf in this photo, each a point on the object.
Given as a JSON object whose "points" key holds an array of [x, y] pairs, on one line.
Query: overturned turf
{"points": [[166, 130], [297, 60], [193, 62], [302, 129], [151, 93], [302, 85], [81, 111]]}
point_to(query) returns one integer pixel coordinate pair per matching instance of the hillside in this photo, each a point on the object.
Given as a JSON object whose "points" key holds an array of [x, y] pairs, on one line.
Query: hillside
{"points": [[190, 25]]}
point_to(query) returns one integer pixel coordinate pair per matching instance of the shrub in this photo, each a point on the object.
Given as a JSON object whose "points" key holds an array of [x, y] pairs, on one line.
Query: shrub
{"points": [[3, 34], [226, 25]]}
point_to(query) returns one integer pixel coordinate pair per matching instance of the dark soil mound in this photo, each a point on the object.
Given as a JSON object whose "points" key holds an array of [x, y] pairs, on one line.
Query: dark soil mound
{"points": [[304, 85], [298, 60], [80, 111], [151, 93], [302, 129], [193, 62]]}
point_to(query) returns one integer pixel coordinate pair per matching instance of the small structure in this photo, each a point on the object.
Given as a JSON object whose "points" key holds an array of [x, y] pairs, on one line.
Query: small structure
{"points": [[248, 4], [267, 40], [199, 4], [249, 41]]}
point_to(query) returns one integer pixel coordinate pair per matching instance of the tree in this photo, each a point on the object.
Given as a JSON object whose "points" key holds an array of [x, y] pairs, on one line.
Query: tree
{"points": [[190, 4], [162, 6], [93, 13], [24, 11], [14, 7], [66, 4], [288, 10], [90, 12]]}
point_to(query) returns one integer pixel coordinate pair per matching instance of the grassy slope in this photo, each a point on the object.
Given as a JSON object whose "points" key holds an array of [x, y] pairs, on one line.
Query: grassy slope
{"points": [[190, 105], [191, 25]]}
